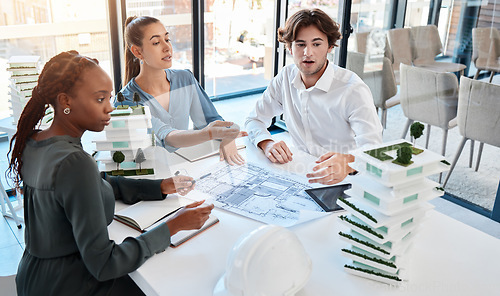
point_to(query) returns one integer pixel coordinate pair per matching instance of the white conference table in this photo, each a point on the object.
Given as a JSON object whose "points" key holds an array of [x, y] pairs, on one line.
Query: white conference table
{"points": [[447, 256]]}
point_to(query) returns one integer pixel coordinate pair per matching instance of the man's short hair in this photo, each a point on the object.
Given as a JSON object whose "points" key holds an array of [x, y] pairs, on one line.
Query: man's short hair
{"points": [[305, 18]]}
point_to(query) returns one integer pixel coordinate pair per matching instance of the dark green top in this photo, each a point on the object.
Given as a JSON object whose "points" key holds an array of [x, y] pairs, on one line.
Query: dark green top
{"points": [[67, 208]]}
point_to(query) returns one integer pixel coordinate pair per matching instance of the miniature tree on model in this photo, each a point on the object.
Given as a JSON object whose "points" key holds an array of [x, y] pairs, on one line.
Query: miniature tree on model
{"points": [[120, 98], [140, 158], [416, 130], [118, 157], [404, 155], [137, 99]]}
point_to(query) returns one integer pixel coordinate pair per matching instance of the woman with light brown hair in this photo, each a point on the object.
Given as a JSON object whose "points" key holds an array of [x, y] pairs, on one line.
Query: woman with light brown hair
{"points": [[67, 204], [173, 96]]}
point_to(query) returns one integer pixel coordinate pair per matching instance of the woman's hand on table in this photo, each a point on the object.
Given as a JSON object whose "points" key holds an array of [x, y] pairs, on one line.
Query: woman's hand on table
{"points": [[229, 152], [192, 216]]}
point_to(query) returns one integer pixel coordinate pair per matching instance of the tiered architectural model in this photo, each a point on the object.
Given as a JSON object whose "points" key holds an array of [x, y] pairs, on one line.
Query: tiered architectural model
{"points": [[24, 77], [388, 202], [124, 148]]}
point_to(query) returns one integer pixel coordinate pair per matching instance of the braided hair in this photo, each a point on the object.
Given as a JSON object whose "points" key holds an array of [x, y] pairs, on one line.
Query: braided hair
{"points": [[59, 75]]}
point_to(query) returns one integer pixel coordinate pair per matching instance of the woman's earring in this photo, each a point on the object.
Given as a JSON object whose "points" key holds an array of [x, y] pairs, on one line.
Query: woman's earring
{"points": [[142, 62], [67, 110]]}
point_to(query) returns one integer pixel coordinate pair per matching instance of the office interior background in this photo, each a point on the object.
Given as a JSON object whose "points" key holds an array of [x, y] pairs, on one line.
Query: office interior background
{"points": [[231, 48]]}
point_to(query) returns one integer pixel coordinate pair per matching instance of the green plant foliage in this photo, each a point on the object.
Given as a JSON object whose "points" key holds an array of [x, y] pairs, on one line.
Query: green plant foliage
{"points": [[392, 277], [141, 172], [118, 157], [117, 172], [379, 153], [128, 173], [377, 260], [404, 156], [416, 151], [153, 139], [370, 245], [364, 227], [367, 215], [416, 130]]}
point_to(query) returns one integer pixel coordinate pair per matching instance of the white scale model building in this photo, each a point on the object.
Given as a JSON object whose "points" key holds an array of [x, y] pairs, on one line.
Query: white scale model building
{"points": [[125, 148], [388, 201], [24, 77]]}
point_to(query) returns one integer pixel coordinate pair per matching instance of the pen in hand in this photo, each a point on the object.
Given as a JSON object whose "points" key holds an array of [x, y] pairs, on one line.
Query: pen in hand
{"points": [[193, 182], [183, 187]]}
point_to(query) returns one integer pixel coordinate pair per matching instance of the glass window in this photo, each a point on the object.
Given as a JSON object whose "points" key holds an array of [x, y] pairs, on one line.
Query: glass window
{"points": [[46, 28], [369, 20], [239, 42], [417, 13]]}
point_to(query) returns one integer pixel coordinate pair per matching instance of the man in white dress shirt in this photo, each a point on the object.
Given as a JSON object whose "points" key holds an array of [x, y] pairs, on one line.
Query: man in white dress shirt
{"points": [[328, 110]]}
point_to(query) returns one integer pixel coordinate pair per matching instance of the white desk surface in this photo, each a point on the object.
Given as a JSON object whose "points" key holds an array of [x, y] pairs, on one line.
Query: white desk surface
{"points": [[447, 257]]}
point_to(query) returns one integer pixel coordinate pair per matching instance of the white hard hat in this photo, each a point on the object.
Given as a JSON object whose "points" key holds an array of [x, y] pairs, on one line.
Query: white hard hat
{"points": [[268, 261]]}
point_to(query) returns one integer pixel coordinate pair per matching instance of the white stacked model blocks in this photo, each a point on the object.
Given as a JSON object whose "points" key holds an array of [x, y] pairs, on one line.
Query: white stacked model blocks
{"points": [[127, 133], [388, 202], [24, 77]]}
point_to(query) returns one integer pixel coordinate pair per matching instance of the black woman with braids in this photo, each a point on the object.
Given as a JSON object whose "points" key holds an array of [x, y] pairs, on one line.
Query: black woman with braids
{"points": [[67, 204]]}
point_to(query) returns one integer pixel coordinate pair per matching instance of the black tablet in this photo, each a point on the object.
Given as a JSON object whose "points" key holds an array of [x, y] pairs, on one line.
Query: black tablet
{"points": [[326, 197]]}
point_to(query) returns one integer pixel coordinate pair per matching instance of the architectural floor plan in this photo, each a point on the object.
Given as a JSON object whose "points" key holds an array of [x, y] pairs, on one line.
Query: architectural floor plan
{"points": [[257, 193]]}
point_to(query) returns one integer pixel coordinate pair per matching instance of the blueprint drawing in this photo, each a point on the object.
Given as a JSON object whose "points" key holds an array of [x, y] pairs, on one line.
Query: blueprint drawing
{"points": [[257, 193]]}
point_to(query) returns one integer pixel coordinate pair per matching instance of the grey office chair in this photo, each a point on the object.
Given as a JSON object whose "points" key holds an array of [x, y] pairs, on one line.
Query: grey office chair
{"points": [[361, 41], [478, 116], [426, 45], [429, 97], [380, 81], [399, 49], [486, 50]]}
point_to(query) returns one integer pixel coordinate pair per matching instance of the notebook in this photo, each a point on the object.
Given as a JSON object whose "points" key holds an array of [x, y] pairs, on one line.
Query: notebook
{"points": [[146, 215], [184, 235]]}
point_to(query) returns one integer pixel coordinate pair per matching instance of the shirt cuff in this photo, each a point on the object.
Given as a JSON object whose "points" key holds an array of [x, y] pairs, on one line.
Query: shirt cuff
{"points": [[261, 138], [158, 238]]}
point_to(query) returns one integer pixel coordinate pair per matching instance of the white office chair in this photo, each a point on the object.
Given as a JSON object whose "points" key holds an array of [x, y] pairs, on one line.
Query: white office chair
{"points": [[11, 211], [478, 117], [429, 97], [381, 82]]}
